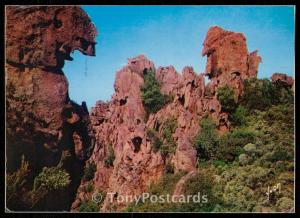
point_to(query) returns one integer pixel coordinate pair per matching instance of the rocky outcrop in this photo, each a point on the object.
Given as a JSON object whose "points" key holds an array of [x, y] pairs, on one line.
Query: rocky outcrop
{"points": [[122, 123], [228, 60], [282, 80], [41, 120]]}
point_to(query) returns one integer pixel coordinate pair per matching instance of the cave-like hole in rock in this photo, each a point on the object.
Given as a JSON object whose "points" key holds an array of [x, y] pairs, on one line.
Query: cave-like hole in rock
{"points": [[123, 101], [181, 100], [236, 73], [157, 125], [137, 141], [193, 84]]}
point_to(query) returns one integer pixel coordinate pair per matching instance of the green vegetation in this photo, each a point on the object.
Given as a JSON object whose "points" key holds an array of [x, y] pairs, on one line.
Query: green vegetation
{"points": [[203, 183], [238, 117], [258, 152], [89, 171], [109, 161], [89, 187], [88, 206], [153, 99], [16, 181], [169, 127], [206, 140], [227, 99], [19, 191], [165, 144], [236, 168], [258, 94], [154, 138], [164, 186], [52, 178]]}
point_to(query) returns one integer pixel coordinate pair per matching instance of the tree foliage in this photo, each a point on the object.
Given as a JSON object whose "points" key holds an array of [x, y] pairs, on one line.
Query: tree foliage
{"points": [[153, 100], [89, 171], [206, 140], [227, 99]]}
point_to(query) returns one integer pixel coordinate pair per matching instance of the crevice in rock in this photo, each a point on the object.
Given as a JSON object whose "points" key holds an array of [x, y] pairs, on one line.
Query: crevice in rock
{"points": [[123, 101], [137, 141], [181, 99]]}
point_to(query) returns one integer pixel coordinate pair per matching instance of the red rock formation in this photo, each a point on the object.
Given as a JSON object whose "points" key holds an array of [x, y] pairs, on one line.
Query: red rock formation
{"points": [[121, 122], [41, 119], [44, 37], [228, 60], [282, 80]]}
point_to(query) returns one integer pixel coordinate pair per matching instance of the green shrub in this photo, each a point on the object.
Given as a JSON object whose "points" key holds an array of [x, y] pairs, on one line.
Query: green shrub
{"points": [[258, 94], [202, 183], [88, 206], [109, 161], [169, 128], [252, 150], [206, 140], [89, 187], [52, 178], [238, 137], [239, 116], [231, 144], [218, 163], [227, 99], [228, 153], [89, 171], [285, 204], [284, 95], [153, 100], [201, 164], [244, 159], [155, 141], [280, 154], [16, 181], [283, 114], [167, 149]]}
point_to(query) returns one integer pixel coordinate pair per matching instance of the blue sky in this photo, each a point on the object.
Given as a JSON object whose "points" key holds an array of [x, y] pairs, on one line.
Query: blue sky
{"points": [[173, 35]]}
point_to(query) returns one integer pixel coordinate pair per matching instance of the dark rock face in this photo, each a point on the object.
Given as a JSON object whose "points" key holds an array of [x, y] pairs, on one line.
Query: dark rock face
{"points": [[41, 120]]}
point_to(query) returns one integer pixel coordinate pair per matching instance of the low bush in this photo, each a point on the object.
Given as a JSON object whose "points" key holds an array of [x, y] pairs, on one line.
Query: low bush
{"points": [[202, 183], [169, 144], [16, 181], [88, 206], [52, 178], [89, 171], [89, 187], [227, 99], [155, 140], [239, 116], [206, 141]]}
